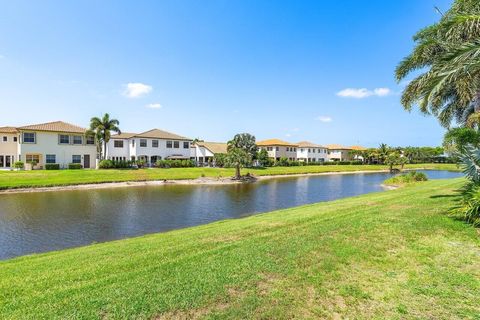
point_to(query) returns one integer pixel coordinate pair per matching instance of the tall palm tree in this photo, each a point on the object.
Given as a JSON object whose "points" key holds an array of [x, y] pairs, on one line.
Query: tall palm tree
{"points": [[102, 127], [449, 52], [383, 151]]}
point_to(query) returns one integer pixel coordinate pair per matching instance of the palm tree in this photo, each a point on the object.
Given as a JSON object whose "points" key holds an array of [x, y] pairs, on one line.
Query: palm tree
{"points": [[383, 151], [241, 150], [102, 128], [449, 52]]}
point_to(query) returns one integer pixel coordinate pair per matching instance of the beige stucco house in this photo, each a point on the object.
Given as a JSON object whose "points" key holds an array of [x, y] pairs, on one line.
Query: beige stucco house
{"points": [[277, 149]]}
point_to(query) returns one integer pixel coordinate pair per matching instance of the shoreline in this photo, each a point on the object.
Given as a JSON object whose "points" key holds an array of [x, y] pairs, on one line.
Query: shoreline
{"points": [[197, 181]]}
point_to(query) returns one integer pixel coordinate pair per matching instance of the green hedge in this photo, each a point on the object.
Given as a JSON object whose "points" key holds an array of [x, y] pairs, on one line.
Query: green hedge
{"points": [[19, 165], [110, 164], [52, 166], [74, 166], [175, 163]]}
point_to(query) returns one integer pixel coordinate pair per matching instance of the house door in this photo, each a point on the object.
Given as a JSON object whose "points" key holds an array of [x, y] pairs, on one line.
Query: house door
{"points": [[86, 161], [1, 162], [8, 162]]}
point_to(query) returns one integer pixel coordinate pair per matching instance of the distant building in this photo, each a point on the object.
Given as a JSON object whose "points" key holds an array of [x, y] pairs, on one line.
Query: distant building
{"points": [[203, 152], [148, 146], [311, 152], [47, 143], [278, 149]]}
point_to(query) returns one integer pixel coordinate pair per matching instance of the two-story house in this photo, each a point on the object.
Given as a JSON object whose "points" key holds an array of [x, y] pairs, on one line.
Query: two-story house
{"points": [[278, 149], [57, 143], [338, 152], [311, 152], [204, 152], [8, 147], [148, 146]]}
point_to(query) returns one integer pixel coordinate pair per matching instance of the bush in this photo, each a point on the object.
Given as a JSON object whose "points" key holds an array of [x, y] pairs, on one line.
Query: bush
{"points": [[175, 163], [74, 166], [19, 165], [410, 177], [111, 164], [469, 205], [105, 164], [52, 166]]}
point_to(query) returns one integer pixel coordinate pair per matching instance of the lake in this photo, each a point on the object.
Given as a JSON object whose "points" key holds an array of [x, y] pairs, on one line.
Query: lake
{"points": [[45, 221]]}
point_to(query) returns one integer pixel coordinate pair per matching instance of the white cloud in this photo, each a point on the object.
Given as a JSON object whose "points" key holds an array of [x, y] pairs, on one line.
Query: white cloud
{"points": [[136, 89], [154, 106], [360, 93], [381, 92], [324, 119], [288, 135]]}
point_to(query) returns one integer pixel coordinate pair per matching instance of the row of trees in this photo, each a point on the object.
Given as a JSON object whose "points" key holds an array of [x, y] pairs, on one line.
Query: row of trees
{"points": [[412, 154]]}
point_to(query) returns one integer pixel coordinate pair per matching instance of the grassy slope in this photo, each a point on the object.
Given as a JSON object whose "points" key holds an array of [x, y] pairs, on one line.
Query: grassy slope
{"points": [[392, 255], [25, 179]]}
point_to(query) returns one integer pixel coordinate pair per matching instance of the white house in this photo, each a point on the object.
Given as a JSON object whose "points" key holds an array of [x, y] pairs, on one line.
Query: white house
{"points": [[278, 149], [8, 146], [204, 152], [57, 143], [311, 152], [148, 146]]}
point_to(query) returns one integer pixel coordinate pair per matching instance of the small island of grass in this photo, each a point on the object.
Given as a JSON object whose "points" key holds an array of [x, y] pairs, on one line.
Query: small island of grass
{"points": [[403, 179]]}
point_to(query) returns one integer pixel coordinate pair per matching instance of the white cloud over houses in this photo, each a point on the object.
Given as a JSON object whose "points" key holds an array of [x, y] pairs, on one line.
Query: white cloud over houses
{"points": [[136, 89], [324, 119], [360, 93], [154, 106]]}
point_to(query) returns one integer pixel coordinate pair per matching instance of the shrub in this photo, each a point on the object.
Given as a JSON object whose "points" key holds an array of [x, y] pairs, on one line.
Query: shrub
{"points": [[19, 165], [175, 163], [74, 166], [52, 166], [469, 205], [410, 177], [105, 164]]}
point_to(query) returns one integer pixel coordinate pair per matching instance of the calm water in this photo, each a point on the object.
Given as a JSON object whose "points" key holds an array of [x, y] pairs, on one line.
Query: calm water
{"points": [[39, 222]]}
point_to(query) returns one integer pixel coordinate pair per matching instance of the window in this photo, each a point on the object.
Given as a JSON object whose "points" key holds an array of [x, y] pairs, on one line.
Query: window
{"points": [[90, 140], [308, 150], [118, 143], [76, 158], [5, 139], [50, 158], [143, 143], [133, 143], [29, 137], [15, 139], [269, 148], [288, 149], [77, 140], [155, 143], [176, 144], [32, 158], [313, 150], [169, 144], [63, 139], [186, 144], [277, 148]]}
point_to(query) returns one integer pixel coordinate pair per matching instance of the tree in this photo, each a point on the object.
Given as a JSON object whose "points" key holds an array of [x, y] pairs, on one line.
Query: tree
{"points": [[241, 151], [262, 157], [383, 151], [394, 159], [457, 139], [448, 52], [102, 128]]}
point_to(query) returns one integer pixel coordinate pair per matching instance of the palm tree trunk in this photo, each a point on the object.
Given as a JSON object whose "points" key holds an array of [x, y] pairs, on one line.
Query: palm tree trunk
{"points": [[237, 172]]}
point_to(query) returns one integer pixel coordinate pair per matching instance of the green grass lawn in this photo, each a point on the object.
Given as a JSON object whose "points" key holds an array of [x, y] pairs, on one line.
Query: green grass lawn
{"points": [[386, 255], [43, 178]]}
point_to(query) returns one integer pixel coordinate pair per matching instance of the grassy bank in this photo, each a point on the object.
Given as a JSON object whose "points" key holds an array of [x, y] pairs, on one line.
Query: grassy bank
{"points": [[390, 255], [43, 178]]}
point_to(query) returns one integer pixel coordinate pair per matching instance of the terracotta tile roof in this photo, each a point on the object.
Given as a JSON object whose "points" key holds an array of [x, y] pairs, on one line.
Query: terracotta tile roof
{"points": [[214, 147], [359, 148], [275, 142], [123, 135], [337, 147], [56, 126], [308, 144], [160, 134], [8, 130]]}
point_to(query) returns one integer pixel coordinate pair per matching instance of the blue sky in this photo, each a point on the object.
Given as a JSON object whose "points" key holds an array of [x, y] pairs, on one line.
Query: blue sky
{"points": [[210, 69]]}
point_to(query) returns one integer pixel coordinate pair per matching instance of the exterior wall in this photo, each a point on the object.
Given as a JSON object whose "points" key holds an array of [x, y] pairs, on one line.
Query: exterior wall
{"points": [[48, 143], [8, 150], [312, 154], [118, 153], [339, 155], [202, 154]]}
